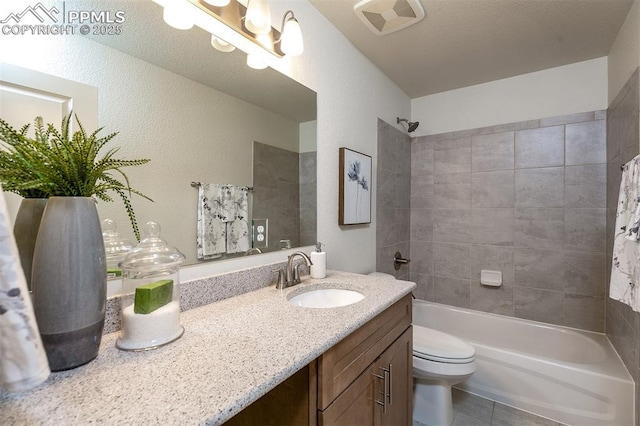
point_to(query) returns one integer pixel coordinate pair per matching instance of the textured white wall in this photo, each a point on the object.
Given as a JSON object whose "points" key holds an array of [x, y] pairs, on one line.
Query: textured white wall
{"points": [[624, 56], [557, 91], [352, 94]]}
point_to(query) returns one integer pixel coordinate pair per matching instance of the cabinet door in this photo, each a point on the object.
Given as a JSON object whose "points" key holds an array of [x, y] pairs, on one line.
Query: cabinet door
{"points": [[355, 406], [395, 365]]}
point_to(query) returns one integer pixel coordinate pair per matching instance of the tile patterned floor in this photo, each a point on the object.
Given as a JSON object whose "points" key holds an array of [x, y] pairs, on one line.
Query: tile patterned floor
{"points": [[472, 410]]}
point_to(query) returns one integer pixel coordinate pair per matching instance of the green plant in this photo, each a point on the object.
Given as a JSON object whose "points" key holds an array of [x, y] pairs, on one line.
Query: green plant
{"points": [[62, 163]]}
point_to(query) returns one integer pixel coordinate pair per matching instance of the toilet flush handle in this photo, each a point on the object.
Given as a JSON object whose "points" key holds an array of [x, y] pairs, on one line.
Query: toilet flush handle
{"points": [[398, 260]]}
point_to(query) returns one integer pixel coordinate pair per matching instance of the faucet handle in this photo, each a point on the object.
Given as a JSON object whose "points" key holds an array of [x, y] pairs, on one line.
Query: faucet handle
{"points": [[281, 282], [296, 273]]}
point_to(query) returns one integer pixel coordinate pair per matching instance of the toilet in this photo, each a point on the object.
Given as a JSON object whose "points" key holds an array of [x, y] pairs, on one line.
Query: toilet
{"points": [[440, 361]]}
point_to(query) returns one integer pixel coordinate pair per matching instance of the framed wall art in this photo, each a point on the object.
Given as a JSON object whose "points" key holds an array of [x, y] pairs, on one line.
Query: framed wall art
{"points": [[355, 188]]}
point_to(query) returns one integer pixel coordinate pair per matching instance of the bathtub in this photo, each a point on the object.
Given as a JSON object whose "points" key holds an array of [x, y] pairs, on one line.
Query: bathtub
{"points": [[567, 375]]}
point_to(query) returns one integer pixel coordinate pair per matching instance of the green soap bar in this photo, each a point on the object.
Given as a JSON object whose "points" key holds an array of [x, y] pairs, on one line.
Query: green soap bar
{"points": [[114, 273], [152, 296]]}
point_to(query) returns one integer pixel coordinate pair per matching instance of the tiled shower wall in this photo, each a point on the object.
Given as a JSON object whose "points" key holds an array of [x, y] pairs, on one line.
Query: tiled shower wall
{"points": [[308, 198], [393, 196], [276, 193], [623, 325], [527, 199]]}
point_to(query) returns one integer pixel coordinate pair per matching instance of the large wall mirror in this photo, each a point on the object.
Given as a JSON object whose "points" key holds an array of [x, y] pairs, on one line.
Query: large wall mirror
{"points": [[198, 114]]}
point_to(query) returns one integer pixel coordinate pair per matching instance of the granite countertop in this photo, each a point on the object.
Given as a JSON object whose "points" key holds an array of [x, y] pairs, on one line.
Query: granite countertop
{"points": [[232, 352]]}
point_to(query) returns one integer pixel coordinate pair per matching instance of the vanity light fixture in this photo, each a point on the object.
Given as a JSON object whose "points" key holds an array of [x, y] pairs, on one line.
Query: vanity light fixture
{"points": [[258, 17], [232, 25]]}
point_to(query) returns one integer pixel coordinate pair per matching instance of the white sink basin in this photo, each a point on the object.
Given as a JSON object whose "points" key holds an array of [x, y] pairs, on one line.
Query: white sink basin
{"points": [[326, 298]]}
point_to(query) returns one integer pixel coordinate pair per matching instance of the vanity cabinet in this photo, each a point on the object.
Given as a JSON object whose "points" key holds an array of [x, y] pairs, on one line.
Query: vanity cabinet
{"points": [[365, 379]]}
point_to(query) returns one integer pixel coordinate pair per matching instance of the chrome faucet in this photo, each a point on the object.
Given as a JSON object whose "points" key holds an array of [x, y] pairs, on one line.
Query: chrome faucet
{"points": [[292, 273], [253, 250]]}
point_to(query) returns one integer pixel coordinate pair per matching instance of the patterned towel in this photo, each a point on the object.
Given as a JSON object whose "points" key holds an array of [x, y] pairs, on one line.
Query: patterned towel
{"points": [[625, 269], [238, 228], [23, 361], [213, 213]]}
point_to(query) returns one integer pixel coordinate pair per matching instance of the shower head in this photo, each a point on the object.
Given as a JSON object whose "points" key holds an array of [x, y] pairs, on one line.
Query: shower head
{"points": [[411, 125]]}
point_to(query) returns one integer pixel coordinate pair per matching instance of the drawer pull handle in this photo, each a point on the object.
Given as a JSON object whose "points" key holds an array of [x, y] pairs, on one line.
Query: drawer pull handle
{"points": [[390, 382], [384, 394]]}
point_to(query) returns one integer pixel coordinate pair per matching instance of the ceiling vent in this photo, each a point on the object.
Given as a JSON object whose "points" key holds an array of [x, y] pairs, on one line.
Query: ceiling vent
{"points": [[388, 16]]}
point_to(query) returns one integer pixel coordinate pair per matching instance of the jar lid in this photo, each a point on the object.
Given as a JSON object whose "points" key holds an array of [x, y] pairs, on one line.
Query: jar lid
{"points": [[152, 253], [115, 246]]}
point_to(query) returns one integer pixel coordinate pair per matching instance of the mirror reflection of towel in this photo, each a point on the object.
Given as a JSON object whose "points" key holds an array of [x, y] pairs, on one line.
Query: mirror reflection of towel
{"points": [[23, 361], [625, 268], [212, 229], [223, 223], [238, 240]]}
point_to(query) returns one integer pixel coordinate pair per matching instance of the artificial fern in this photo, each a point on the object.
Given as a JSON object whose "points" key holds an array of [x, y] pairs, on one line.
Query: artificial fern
{"points": [[61, 163]]}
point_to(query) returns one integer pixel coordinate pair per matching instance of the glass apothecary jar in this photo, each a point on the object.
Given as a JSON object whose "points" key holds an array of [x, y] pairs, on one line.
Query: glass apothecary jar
{"points": [[150, 293], [116, 247]]}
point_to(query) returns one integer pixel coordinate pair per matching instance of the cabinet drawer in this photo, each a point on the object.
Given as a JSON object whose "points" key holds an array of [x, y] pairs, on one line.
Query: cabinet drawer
{"points": [[343, 363]]}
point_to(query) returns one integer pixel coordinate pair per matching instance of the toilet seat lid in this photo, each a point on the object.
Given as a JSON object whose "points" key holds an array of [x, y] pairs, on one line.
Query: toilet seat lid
{"points": [[439, 346]]}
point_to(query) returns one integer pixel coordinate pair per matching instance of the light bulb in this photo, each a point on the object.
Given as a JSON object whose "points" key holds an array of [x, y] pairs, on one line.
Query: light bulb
{"points": [[222, 45], [254, 62], [177, 15], [258, 17], [217, 3], [291, 42]]}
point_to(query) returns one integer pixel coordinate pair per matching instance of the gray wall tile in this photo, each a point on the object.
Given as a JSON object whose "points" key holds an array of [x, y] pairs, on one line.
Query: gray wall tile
{"points": [[585, 273], [424, 286], [538, 305], [542, 147], [452, 260], [539, 187], [453, 142], [493, 189], [387, 135], [494, 259], [541, 269], [402, 223], [585, 312], [452, 291], [492, 226], [454, 195], [421, 257], [525, 242], [453, 160], [451, 225], [386, 227], [422, 192], [421, 225], [495, 300], [586, 143], [393, 198], [421, 159], [385, 189], [586, 186], [492, 152], [541, 228], [402, 190], [585, 229]]}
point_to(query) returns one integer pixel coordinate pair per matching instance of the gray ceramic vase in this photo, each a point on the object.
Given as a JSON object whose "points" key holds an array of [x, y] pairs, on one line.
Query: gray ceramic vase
{"points": [[25, 231], [69, 281]]}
